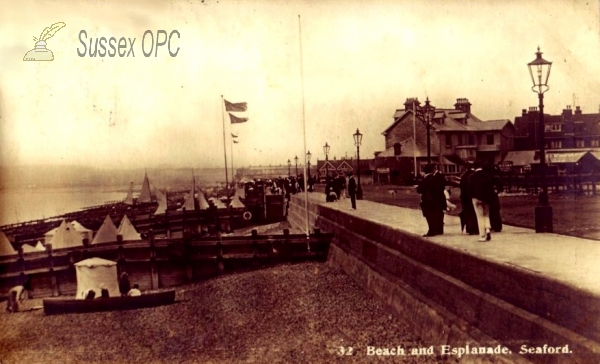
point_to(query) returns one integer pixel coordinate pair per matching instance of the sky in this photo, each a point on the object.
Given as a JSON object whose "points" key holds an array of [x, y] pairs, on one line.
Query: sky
{"points": [[323, 68]]}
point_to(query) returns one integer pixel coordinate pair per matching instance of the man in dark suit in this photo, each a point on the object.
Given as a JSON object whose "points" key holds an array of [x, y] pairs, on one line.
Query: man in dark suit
{"points": [[352, 190], [433, 200]]}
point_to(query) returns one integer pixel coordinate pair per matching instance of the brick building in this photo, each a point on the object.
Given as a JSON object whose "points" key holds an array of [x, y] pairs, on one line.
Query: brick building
{"points": [[456, 136]]}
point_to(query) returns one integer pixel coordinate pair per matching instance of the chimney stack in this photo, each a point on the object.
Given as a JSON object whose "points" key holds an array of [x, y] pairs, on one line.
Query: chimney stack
{"points": [[463, 104], [408, 105]]}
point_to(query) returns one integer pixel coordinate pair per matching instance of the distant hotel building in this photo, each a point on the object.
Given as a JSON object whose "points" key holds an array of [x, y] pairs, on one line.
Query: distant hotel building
{"points": [[457, 136], [572, 141]]}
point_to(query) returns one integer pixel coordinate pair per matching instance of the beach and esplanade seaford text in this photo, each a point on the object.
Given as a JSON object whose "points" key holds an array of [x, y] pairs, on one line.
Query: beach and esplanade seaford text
{"points": [[458, 351], [125, 47]]}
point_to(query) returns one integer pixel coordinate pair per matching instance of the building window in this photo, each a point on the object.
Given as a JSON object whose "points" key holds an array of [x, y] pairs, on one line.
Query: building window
{"points": [[470, 139], [556, 144], [490, 139], [448, 141], [595, 143], [554, 127], [579, 143]]}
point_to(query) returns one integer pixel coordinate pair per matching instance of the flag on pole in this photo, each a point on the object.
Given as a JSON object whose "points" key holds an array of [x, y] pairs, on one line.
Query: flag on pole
{"points": [[233, 135], [236, 107], [235, 120]]}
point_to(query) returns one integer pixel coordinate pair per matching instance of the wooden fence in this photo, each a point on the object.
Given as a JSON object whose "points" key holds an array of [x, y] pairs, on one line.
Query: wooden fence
{"points": [[583, 184], [160, 262]]}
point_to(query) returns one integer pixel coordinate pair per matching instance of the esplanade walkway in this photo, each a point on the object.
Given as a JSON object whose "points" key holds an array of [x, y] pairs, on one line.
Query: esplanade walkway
{"points": [[521, 289]]}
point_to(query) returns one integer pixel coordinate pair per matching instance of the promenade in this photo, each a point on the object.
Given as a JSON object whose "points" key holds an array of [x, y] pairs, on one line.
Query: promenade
{"points": [[566, 259]]}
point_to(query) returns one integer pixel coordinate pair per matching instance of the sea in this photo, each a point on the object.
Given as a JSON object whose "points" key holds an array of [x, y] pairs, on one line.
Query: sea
{"points": [[26, 204]]}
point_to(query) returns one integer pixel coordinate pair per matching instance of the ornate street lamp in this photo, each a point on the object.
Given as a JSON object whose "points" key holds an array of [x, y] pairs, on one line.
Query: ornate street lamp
{"points": [[427, 114], [289, 166], [326, 151], [357, 140], [296, 159], [539, 69]]}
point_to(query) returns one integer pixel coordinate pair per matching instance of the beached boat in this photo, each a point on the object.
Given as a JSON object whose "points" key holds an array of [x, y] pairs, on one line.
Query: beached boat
{"points": [[61, 305]]}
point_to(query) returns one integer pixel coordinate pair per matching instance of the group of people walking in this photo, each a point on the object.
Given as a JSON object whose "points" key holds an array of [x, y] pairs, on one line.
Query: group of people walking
{"points": [[479, 188], [336, 187]]}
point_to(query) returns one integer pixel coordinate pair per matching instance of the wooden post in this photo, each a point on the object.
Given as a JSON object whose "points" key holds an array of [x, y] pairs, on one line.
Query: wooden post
{"points": [[168, 224], [54, 280], [220, 264], [153, 265], [120, 255]]}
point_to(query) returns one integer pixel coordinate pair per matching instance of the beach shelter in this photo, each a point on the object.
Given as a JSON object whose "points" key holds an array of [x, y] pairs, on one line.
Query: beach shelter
{"points": [[93, 273], [162, 202], [236, 203], [145, 195], [129, 197], [6, 248], [127, 230], [107, 232], [66, 237], [39, 247]]}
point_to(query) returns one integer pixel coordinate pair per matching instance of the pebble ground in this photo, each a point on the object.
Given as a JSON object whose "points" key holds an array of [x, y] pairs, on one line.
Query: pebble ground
{"points": [[294, 313]]}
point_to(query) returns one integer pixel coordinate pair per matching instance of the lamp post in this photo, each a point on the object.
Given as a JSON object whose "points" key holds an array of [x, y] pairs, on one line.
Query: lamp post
{"points": [[296, 160], [357, 140], [289, 166], [539, 69], [427, 114], [308, 162], [326, 151]]}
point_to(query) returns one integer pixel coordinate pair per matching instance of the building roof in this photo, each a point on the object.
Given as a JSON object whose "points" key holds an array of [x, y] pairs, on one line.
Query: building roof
{"points": [[569, 157], [453, 120], [407, 150], [521, 158]]}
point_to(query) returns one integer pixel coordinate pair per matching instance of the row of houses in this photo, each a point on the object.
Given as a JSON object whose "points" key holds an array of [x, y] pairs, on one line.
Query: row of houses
{"points": [[458, 136]]}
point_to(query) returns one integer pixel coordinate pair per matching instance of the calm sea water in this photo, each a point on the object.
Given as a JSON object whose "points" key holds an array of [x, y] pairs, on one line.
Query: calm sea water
{"points": [[18, 205]]}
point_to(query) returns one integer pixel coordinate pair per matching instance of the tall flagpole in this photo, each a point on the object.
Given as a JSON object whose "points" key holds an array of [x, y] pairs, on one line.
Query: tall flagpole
{"points": [[232, 175], [224, 147], [415, 136], [304, 129]]}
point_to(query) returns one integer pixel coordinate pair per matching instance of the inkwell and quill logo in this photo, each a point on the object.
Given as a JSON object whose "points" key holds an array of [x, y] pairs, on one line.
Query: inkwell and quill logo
{"points": [[40, 52]]}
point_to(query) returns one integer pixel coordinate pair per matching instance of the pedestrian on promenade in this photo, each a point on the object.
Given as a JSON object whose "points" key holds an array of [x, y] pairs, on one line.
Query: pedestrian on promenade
{"points": [[342, 186], [482, 192], [352, 190], [433, 200], [468, 219], [495, 217]]}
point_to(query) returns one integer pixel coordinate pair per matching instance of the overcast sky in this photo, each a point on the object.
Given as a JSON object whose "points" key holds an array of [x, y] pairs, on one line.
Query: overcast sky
{"points": [[362, 60]]}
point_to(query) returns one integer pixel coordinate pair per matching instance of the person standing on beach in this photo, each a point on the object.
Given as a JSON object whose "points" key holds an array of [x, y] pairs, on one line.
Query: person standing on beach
{"points": [[124, 285]]}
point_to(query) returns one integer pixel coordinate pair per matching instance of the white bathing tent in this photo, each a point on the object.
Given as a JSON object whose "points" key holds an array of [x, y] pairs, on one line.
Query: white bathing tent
{"points": [[236, 203], [80, 229], [127, 230], [39, 247], [6, 247], [162, 202], [66, 237], [93, 273], [107, 232]]}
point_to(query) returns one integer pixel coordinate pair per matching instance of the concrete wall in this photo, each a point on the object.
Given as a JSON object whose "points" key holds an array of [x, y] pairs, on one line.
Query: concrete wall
{"points": [[454, 298]]}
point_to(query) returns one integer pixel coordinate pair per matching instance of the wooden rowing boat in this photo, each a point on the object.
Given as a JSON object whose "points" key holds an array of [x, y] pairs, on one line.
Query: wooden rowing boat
{"points": [[60, 305]]}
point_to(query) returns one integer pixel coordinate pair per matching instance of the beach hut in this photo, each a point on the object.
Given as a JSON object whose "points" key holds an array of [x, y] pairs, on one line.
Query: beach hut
{"points": [[94, 273], [107, 232], [145, 195], [6, 248], [127, 230]]}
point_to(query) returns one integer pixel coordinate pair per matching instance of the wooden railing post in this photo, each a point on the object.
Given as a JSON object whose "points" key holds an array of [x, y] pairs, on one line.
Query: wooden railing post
{"points": [[220, 263], [153, 265], [53, 278]]}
